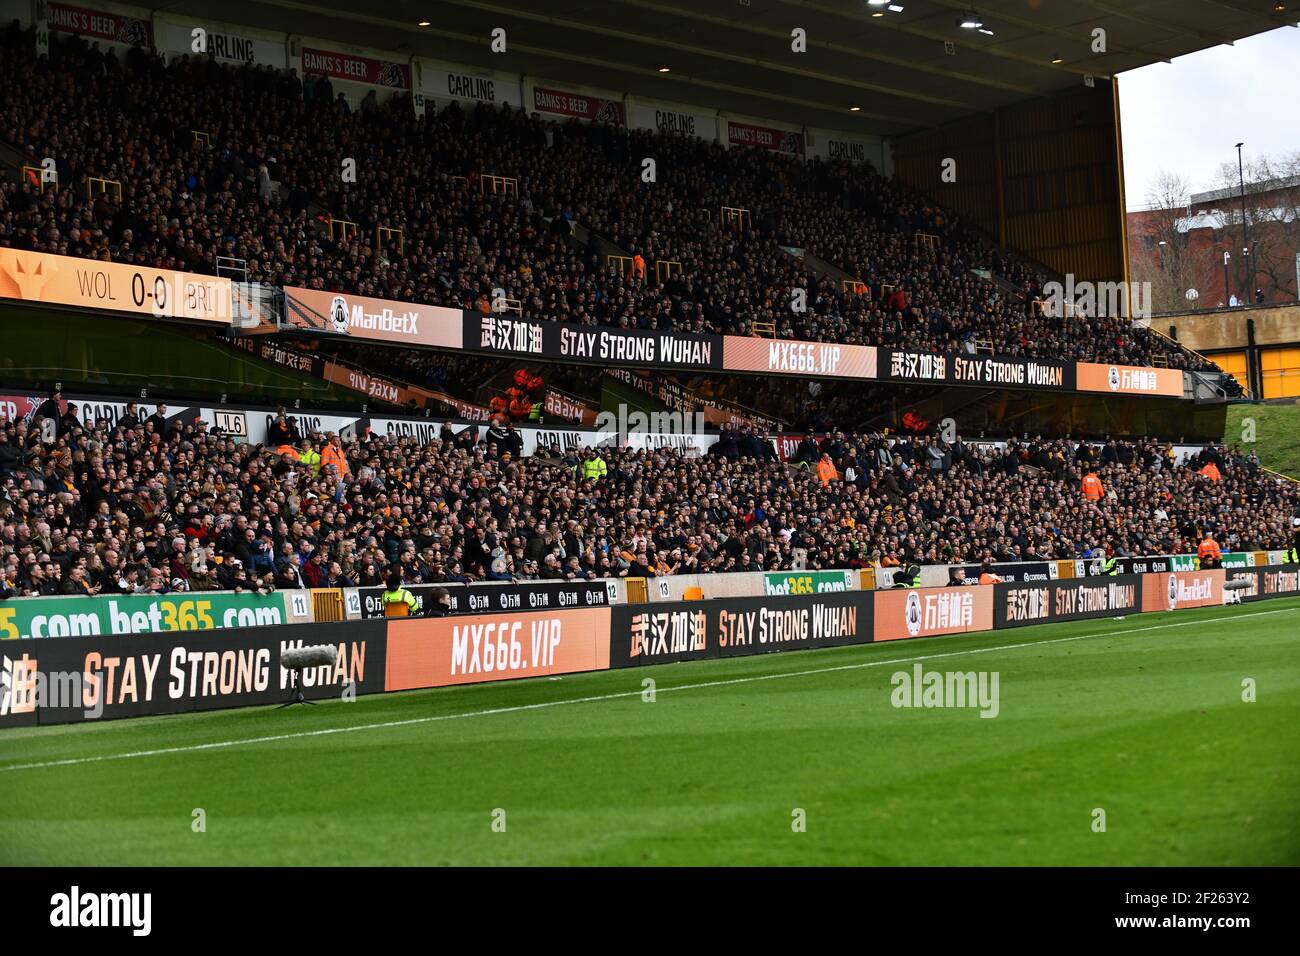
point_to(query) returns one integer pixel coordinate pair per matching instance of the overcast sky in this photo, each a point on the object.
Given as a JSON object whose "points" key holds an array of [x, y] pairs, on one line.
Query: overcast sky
{"points": [[1187, 116]]}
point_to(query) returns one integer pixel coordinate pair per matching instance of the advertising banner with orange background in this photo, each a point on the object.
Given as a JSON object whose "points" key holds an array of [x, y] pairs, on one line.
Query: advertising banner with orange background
{"points": [[923, 612], [1180, 589], [1129, 380], [438, 652], [382, 320], [569, 408], [742, 353], [39, 277], [376, 386]]}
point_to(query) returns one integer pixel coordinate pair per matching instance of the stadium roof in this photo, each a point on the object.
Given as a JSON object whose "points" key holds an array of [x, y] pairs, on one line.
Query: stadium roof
{"points": [[735, 55], [1229, 192]]}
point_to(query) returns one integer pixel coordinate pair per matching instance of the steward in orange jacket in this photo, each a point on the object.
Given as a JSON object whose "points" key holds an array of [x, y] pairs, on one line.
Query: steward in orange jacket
{"points": [[826, 472], [988, 575], [332, 454], [1092, 489]]}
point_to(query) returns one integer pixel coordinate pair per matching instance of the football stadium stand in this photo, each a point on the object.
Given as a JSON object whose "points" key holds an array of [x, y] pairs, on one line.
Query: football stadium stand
{"points": [[491, 207], [147, 506], [419, 224]]}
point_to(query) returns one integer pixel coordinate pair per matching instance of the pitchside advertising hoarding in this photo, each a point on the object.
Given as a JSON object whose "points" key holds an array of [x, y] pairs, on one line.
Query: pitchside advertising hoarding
{"points": [[807, 582], [1266, 581], [1017, 571], [59, 617], [1248, 575], [925, 612], [1146, 564], [438, 652], [492, 598], [85, 678], [106, 676], [1277, 580], [1182, 589], [1015, 605], [1152, 564], [669, 632]]}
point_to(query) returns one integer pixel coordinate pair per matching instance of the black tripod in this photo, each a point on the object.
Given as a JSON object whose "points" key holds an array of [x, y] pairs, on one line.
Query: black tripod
{"points": [[297, 697]]}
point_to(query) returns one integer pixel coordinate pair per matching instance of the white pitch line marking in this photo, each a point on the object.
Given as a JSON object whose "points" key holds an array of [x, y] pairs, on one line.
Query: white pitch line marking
{"points": [[222, 744]]}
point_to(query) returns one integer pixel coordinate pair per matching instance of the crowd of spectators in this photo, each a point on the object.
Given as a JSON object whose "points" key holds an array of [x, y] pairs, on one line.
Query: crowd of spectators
{"points": [[269, 166], [141, 505], [147, 505]]}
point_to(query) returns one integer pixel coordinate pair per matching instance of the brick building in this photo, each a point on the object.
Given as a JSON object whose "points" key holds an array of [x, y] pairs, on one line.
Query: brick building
{"points": [[1179, 250]]}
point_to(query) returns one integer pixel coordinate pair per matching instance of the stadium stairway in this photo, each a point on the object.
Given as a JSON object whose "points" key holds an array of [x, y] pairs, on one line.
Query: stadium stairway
{"points": [[1005, 286], [819, 266], [579, 237], [12, 161]]}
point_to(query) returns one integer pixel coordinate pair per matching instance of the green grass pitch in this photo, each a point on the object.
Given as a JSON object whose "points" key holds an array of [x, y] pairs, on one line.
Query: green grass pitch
{"points": [[1273, 432], [1141, 717]]}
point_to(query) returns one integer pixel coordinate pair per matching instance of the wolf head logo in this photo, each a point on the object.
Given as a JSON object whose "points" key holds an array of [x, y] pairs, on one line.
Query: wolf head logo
{"points": [[28, 272]]}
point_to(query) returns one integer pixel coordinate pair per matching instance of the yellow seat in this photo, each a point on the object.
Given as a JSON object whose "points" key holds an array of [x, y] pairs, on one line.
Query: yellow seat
{"points": [[693, 593], [397, 609]]}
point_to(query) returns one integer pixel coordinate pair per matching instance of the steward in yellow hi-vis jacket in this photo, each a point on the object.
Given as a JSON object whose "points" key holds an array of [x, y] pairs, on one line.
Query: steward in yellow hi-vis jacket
{"points": [[309, 457], [593, 466], [397, 600]]}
